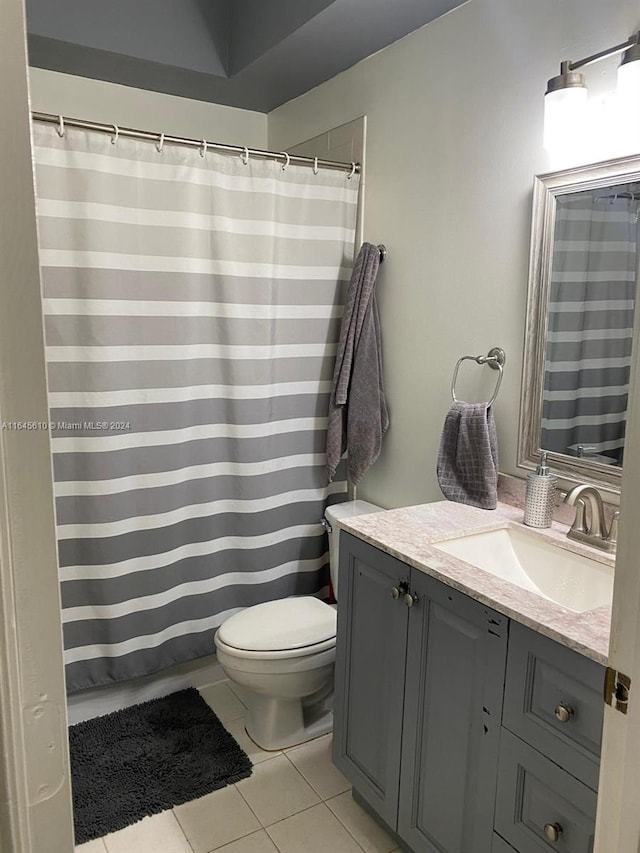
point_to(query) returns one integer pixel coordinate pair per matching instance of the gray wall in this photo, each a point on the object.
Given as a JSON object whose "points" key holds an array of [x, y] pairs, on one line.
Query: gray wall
{"points": [[98, 101], [454, 138]]}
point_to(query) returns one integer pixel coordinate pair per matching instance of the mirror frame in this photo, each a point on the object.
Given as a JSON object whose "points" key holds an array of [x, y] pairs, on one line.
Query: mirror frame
{"points": [[546, 189]]}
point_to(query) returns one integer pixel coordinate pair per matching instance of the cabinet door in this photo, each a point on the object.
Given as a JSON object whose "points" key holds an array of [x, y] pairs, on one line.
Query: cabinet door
{"points": [[370, 665], [453, 702]]}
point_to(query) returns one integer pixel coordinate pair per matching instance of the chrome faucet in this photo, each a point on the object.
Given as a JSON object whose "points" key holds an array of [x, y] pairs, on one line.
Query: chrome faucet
{"points": [[594, 531]]}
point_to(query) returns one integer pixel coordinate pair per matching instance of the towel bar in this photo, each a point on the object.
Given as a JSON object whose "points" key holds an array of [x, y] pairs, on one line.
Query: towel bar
{"points": [[495, 358]]}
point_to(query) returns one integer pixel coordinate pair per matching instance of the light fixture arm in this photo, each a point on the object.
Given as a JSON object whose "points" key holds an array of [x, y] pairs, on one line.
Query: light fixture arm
{"points": [[602, 54]]}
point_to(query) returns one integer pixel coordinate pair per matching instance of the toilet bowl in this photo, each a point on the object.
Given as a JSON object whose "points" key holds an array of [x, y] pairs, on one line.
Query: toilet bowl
{"points": [[282, 653]]}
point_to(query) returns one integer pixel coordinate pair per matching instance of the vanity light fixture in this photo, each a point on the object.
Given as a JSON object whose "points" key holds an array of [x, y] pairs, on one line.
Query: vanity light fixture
{"points": [[629, 69], [566, 96]]}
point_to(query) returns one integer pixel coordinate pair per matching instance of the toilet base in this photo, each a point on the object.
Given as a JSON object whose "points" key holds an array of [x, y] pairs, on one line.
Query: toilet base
{"points": [[275, 723]]}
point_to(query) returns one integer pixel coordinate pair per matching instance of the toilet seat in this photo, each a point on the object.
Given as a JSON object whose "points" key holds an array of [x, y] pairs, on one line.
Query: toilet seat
{"points": [[286, 628], [281, 654]]}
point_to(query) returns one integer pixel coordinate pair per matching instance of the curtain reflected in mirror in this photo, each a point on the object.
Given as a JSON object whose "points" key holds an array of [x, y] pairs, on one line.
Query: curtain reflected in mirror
{"points": [[593, 275]]}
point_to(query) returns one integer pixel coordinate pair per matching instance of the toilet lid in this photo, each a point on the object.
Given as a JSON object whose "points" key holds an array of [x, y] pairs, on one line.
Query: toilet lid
{"points": [[289, 623]]}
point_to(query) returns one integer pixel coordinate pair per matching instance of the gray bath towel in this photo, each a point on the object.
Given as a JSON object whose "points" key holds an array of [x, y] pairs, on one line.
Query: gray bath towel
{"points": [[358, 415], [468, 456]]}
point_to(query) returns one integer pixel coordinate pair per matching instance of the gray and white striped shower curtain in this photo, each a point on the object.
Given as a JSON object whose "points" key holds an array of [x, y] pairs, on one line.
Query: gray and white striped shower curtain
{"points": [[192, 308], [590, 330]]}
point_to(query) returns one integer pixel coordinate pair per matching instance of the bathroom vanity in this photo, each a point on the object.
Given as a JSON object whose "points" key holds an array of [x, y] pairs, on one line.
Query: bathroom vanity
{"points": [[464, 727]]}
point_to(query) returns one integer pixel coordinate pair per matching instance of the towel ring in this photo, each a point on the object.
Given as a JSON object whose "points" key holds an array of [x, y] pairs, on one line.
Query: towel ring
{"points": [[495, 358]]}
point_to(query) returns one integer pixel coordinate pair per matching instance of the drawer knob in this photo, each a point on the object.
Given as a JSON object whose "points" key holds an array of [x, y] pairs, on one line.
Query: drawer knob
{"points": [[401, 589], [410, 599], [564, 712], [553, 831]]}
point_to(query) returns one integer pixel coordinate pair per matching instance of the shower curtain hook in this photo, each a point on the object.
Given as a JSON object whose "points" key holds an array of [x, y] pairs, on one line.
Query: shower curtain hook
{"points": [[245, 156], [287, 161], [60, 127], [116, 133], [315, 165], [352, 172], [203, 148], [160, 144]]}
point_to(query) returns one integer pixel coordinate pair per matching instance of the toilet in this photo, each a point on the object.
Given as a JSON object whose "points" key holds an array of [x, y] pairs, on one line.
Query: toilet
{"points": [[282, 654]]}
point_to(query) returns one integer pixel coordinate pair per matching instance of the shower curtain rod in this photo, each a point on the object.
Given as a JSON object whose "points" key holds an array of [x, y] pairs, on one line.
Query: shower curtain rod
{"points": [[161, 138]]}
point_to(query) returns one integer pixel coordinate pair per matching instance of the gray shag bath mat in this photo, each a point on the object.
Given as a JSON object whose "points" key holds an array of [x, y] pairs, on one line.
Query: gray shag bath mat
{"points": [[148, 758]]}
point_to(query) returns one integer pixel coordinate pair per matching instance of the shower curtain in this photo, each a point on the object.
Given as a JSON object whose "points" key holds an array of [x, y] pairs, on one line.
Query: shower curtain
{"points": [[192, 307], [590, 330]]}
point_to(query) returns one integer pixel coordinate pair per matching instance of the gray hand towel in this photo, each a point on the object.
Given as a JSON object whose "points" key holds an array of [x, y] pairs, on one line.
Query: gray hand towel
{"points": [[468, 457], [358, 415]]}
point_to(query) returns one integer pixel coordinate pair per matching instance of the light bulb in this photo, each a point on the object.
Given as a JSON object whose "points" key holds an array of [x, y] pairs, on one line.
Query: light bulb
{"points": [[564, 117], [629, 81], [628, 98]]}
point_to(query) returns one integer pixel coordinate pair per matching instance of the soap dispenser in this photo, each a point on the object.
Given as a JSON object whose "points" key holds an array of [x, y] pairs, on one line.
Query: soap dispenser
{"points": [[540, 498]]}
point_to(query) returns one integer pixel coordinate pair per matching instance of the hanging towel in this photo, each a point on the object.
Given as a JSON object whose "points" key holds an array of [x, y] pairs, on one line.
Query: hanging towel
{"points": [[358, 415], [468, 457]]}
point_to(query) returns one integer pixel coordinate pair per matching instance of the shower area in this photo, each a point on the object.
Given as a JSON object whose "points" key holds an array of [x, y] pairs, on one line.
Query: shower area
{"points": [[192, 304]]}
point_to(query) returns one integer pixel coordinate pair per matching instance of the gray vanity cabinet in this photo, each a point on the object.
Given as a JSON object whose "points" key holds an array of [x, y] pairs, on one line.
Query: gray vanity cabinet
{"points": [[418, 701], [370, 667], [453, 698], [549, 747]]}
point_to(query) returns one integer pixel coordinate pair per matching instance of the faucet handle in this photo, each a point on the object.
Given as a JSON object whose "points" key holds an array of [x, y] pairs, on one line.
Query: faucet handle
{"points": [[579, 522], [612, 535]]}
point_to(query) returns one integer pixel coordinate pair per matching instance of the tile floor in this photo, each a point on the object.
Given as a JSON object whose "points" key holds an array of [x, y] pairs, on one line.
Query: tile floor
{"points": [[294, 802]]}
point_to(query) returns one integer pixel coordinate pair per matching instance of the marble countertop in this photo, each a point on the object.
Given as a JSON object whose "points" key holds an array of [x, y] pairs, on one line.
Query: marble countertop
{"points": [[410, 532]]}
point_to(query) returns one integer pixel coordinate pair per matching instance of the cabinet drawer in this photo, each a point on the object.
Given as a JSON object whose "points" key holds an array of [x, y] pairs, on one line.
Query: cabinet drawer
{"points": [[544, 677], [534, 793], [500, 845]]}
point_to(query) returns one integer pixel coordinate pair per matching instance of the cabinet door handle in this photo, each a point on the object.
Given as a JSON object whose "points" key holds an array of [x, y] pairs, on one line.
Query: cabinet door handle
{"points": [[401, 589], [410, 599], [564, 713], [552, 831]]}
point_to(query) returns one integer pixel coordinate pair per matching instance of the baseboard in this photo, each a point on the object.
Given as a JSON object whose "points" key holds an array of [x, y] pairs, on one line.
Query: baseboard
{"points": [[103, 700]]}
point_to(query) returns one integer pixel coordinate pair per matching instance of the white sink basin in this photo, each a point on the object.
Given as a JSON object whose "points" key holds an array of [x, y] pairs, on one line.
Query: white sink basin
{"points": [[569, 579]]}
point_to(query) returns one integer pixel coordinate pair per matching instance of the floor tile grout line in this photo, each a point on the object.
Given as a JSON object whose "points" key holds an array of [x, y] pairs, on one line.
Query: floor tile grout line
{"points": [[175, 817], [235, 840], [342, 823], [308, 808], [179, 825], [338, 818], [248, 804], [283, 818], [310, 783], [317, 793], [233, 720], [230, 686], [295, 814]]}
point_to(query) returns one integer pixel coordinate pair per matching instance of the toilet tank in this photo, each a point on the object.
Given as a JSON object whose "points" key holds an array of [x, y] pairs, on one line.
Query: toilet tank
{"points": [[335, 514]]}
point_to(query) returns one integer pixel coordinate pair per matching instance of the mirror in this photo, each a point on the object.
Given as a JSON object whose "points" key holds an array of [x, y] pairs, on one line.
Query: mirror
{"points": [[580, 320]]}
